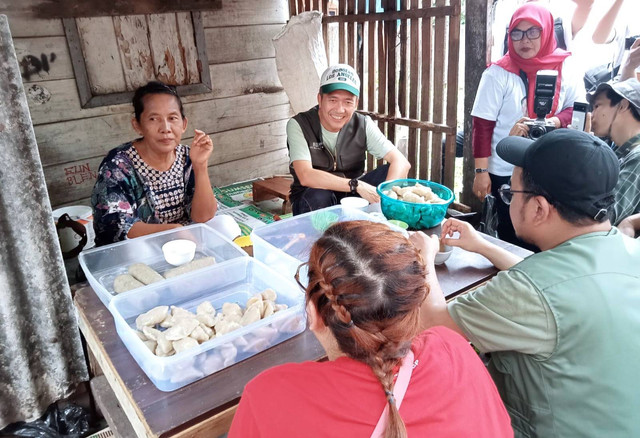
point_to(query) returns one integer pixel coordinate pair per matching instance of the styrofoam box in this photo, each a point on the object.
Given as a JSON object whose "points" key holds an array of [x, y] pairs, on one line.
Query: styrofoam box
{"points": [[234, 281], [285, 244], [102, 265]]}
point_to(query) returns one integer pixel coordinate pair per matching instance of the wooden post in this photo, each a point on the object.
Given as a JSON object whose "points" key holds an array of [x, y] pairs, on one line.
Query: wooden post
{"points": [[477, 35]]}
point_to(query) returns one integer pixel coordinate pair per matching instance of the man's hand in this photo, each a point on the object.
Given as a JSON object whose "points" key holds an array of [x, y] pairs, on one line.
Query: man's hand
{"points": [[469, 240], [520, 129], [427, 245], [628, 70], [481, 185], [368, 192], [201, 148]]}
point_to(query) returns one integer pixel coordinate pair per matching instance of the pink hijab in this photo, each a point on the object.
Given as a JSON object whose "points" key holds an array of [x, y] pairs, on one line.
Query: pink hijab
{"points": [[548, 58]]}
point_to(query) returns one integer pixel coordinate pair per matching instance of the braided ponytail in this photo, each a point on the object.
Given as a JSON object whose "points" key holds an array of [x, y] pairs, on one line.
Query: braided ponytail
{"points": [[367, 284]]}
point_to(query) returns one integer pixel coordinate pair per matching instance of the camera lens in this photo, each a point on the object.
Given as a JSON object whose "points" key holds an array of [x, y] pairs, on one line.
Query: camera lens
{"points": [[537, 131]]}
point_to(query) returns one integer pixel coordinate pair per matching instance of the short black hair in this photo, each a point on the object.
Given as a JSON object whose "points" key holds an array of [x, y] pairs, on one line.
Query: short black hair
{"points": [[566, 212], [615, 99], [153, 87]]}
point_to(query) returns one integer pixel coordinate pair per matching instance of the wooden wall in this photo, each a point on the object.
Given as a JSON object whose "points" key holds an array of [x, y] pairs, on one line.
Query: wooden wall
{"points": [[245, 113]]}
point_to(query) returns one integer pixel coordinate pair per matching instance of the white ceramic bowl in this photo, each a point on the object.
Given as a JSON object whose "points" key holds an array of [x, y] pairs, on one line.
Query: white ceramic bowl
{"points": [[179, 251], [442, 256], [355, 202]]}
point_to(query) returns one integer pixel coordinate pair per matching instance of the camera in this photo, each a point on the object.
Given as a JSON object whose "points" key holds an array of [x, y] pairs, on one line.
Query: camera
{"points": [[628, 42], [542, 103]]}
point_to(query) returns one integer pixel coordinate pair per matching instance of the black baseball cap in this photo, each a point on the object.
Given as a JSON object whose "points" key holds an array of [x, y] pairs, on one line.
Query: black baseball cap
{"points": [[575, 168]]}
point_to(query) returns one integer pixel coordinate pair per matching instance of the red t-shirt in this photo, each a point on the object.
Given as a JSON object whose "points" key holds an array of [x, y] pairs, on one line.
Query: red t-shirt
{"points": [[450, 394]]}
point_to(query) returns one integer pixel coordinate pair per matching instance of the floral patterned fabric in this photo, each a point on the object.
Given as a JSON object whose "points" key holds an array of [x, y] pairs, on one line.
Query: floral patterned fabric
{"points": [[128, 191]]}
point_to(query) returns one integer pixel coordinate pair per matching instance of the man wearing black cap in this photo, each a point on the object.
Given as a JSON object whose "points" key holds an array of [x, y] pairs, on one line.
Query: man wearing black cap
{"points": [[616, 115], [561, 325]]}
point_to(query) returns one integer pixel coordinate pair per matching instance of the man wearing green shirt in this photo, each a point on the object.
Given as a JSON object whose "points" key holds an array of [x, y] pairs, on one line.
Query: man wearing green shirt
{"points": [[561, 325], [328, 146], [616, 115]]}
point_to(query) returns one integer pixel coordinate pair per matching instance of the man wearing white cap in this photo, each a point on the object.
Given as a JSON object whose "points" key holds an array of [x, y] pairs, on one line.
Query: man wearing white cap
{"points": [[616, 115], [328, 146]]}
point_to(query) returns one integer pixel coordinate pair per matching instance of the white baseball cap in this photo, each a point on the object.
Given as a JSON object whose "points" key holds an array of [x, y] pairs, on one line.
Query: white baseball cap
{"points": [[340, 77]]}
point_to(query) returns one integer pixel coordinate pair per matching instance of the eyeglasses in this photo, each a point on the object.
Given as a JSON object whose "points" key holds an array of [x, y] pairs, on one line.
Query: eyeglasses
{"points": [[297, 276], [506, 194], [533, 33]]}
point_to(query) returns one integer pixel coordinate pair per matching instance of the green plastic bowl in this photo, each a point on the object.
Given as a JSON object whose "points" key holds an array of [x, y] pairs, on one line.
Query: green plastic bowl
{"points": [[417, 216]]}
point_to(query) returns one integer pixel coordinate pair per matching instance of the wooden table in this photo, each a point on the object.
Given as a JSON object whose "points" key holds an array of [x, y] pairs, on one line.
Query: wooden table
{"points": [[276, 187], [205, 408]]}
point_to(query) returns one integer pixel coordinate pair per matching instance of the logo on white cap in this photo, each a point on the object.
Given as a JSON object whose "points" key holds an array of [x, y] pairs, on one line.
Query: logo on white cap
{"points": [[340, 77]]}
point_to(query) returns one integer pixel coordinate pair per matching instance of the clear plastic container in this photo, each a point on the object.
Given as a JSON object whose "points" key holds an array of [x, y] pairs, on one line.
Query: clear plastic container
{"points": [[102, 265], [234, 281], [285, 244]]}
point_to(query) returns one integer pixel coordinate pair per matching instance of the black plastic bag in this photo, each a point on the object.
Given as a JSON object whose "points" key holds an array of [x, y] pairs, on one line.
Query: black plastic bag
{"points": [[70, 421], [489, 217]]}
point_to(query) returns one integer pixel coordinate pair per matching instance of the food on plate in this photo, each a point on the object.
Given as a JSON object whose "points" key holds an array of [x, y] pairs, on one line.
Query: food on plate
{"points": [[125, 282], [144, 273], [418, 194]]}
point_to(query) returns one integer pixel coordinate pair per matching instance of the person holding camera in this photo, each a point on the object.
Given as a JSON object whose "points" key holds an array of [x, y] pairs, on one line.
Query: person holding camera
{"points": [[616, 115], [504, 103]]}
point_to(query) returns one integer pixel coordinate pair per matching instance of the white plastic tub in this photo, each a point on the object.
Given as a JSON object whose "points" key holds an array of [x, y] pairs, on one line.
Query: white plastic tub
{"points": [[102, 265], [285, 244], [234, 281]]}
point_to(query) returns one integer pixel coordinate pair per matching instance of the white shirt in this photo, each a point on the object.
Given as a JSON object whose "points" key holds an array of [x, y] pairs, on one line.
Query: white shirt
{"points": [[501, 98]]}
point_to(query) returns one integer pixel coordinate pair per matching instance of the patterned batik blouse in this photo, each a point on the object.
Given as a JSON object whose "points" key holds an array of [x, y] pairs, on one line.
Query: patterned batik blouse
{"points": [[128, 190]]}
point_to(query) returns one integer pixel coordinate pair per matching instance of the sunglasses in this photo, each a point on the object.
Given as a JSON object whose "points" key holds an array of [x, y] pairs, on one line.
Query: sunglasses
{"points": [[506, 194], [533, 33]]}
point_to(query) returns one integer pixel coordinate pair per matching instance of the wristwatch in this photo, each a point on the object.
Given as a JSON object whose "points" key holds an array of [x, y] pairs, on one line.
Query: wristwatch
{"points": [[481, 170], [353, 185]]}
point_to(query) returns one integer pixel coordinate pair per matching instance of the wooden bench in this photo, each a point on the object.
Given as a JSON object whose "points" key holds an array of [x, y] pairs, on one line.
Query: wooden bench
{"points": [[276, 187]]}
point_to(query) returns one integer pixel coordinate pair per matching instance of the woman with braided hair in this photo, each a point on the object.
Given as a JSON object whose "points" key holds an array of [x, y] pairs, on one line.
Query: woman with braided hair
{"points": [[384, 377]]}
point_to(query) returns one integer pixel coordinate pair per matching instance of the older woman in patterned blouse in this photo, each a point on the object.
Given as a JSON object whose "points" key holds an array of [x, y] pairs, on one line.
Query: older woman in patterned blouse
{"points": [[153, 183]]}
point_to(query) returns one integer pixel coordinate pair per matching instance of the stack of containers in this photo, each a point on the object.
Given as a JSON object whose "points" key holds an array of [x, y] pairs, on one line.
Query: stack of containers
{"points": [[234, 278]]}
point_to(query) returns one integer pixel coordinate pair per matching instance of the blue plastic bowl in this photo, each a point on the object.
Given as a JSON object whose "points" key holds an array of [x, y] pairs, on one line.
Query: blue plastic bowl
{"points": [[418, 216]]}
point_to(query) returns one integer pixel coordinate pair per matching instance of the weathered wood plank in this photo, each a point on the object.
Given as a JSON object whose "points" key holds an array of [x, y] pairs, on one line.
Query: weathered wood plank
{"points": [[165, 50], [22, 27], [245, 77], [58, 101], [240, 43], [43, 58], [100, 51], [188, 47], [453, 44], [438, 95], [135, 54], [425, 98], [74, 8], [272, 163], [94, 137]]}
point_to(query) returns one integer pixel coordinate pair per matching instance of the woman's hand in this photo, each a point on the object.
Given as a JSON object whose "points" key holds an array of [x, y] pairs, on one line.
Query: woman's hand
{"points": [[469, 240], [427, 245], [481, 185], [520, 129], [201, 148]]}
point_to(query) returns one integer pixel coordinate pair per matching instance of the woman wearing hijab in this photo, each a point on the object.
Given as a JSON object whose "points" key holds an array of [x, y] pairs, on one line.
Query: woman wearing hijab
{"points": [[505, 100]]}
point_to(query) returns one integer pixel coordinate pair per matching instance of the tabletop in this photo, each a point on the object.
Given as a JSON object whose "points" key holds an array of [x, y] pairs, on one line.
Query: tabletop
{"points": [[206, 407]]}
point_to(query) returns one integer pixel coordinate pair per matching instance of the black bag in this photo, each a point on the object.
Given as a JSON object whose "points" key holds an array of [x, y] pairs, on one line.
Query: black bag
{"points": [[598, 75], [489, 217]]}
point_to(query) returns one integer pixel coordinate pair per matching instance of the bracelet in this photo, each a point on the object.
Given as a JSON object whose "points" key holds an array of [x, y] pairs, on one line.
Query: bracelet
{"points": [[481, 170]]}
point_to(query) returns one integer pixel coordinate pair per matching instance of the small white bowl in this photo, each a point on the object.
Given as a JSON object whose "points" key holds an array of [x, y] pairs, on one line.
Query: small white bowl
{"points": [[442, 256], [179, 251], [355, 202]]}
